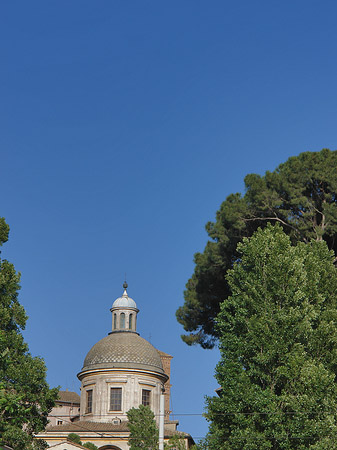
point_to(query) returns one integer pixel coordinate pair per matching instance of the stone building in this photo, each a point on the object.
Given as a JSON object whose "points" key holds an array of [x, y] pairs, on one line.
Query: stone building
{"points": [[120, 372], [66, 409]]}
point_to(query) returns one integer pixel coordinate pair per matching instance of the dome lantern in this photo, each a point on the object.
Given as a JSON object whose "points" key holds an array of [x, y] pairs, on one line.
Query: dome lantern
{"points": [[124, 313]]}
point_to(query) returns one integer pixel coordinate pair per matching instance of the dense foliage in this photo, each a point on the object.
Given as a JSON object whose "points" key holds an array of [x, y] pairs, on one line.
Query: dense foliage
{"points": [[74, 437], [176, 442], [300, 195], [144, 433], [90, 446], [278, 343], [25, 397]]}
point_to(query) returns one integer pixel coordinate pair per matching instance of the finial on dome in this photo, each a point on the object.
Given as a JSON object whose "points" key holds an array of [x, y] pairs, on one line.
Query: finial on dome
{"points": [[125, 284]]}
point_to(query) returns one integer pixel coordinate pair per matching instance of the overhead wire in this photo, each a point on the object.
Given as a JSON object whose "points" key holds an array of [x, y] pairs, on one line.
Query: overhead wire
{"points": [[101, 434], [279, 437], [231, 413]]}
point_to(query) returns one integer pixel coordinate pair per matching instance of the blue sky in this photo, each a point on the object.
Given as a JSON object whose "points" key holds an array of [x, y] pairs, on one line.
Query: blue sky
{"points": [[124, 125]]}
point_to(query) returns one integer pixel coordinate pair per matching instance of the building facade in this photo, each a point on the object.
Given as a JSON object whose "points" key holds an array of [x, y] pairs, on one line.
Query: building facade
{"points": [[66, 409], [120, 372]]}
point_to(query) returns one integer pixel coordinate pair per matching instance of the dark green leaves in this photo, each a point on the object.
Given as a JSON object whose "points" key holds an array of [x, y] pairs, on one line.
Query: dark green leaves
{"points": [[278, 340], [300, 195], [25, 397], [143, 429]]}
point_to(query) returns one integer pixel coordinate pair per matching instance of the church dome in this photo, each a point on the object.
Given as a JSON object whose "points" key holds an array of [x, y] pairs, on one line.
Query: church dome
{"points": [[123, 350], [124, 301]]}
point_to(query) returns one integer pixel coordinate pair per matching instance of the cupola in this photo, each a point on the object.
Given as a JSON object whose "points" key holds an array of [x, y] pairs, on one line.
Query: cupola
{"points": [[124, 313]]}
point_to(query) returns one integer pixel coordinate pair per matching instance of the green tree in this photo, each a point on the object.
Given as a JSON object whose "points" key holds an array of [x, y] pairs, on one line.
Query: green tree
{"points": [[143, 429], [25, 397], [176, 442], [300, 195], [278, 344], [90, 446], [73, 437]]}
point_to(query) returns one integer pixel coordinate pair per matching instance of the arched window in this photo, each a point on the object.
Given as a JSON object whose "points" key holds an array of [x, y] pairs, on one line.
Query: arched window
{"points": [[115, 321], [130, 322], [122, 320]]}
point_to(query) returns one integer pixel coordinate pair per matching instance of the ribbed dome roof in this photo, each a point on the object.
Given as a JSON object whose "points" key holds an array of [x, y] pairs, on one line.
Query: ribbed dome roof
{"points": [[124, 301], [123, 350]]}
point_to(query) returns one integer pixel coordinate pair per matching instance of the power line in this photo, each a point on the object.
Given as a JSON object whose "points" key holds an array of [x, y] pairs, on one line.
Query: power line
{"points": [[105, 434], [268, 436], [231, 413]]}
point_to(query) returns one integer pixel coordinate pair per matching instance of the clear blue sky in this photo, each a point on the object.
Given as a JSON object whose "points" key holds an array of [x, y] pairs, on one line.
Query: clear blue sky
{"points": [[124, 124]]}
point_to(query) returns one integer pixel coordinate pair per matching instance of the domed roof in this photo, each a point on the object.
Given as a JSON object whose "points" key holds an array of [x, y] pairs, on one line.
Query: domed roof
{"points": [[124, 301], [123, 350]]}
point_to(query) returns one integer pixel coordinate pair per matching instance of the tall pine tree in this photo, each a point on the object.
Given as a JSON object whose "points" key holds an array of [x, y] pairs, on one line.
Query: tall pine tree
{"points": [[300, 195]]}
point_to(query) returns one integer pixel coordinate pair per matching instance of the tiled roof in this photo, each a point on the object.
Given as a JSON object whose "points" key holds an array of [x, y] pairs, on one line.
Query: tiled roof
{"points": [[84, 425], [68, 397], [123, 349], [102, 427], [68, 442], [165, 354]]}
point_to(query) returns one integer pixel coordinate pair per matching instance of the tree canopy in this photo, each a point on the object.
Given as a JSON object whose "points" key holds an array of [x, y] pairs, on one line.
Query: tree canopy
{"points": [[300, 195], [144, 434], [74, 437], [278, 344], [25, 397], [90, 446], [176, 442]]}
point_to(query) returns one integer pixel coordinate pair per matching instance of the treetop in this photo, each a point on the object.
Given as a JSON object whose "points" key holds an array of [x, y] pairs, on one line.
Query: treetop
{"points": [[300, 195]]}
